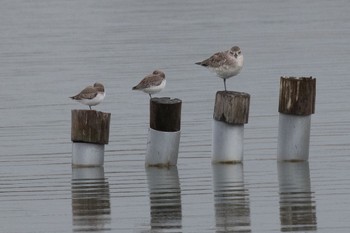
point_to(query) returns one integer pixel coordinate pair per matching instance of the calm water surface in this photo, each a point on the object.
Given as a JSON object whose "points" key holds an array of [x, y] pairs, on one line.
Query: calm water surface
{"points": [[49, 50]]}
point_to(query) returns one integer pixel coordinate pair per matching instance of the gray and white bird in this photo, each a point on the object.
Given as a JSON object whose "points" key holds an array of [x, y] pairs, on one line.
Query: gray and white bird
{"points": [[225, 64], [152, 83], [91, 95]]}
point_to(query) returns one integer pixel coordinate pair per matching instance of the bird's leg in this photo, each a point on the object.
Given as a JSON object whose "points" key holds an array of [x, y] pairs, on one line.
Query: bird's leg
{"points": [[90, 107], [225, 83], [150, 96]]}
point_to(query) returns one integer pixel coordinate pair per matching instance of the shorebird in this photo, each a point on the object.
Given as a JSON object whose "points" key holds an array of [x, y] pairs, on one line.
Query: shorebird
{"points": [[152, 83], [91, 95], [225, 64]]}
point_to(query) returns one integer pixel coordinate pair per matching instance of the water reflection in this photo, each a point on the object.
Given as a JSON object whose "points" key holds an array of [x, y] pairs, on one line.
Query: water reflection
{"points": [[90, 200], [297, 205], [232, 209], [165, 198]]}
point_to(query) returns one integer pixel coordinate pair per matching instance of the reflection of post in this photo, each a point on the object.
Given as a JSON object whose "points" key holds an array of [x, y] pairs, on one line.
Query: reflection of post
{"points": [[165, 198], [297, 207], [232, 209], [90, 199]]}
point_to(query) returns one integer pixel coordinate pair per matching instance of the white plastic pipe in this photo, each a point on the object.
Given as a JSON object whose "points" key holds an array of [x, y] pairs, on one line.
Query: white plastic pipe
{"points": [[227, 144], [162, 148], [293, 137], [87, 154]]}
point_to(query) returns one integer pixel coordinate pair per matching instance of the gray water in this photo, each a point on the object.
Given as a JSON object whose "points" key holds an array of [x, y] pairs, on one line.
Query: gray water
{"points": [[50, 50]]}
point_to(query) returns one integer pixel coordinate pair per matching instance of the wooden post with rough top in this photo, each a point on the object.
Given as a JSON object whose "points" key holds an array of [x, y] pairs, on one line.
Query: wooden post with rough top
{"points": [[165, 114], [231, 112], [89, 134], [90, 126], [296, 105], [164, 132], [297, 96], [232, 107]]}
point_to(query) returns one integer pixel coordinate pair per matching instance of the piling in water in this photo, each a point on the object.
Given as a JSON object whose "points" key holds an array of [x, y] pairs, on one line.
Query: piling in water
{"points": [[89, 134], [296, 105], [231, 112], [164, 132]]}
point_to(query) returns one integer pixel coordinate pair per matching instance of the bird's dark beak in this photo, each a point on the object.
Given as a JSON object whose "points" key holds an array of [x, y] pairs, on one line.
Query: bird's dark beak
{"points": [[235, 55]]}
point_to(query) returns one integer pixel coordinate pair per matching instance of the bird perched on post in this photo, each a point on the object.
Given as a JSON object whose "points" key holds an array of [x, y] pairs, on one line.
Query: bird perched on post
{"points": [[225, 64], [91, 95], [152, 83]]}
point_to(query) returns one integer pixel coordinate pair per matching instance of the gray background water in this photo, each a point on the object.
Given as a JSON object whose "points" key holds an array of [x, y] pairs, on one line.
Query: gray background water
{"points": [[50, 50]]}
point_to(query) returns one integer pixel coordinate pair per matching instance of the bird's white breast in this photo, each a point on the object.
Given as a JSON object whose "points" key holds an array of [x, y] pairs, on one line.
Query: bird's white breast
{"points": [[229, 70], [95, 101], [155, 89]]}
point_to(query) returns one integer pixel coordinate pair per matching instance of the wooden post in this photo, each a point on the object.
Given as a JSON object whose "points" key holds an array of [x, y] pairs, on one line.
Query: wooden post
{"points": [[231, 112], [89, 134], [296, 104], [164, 132]]}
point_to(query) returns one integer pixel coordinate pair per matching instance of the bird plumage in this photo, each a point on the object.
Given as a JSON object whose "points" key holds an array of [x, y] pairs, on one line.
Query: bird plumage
{"points": [[225, 64], [91, 95], [152, 83]]}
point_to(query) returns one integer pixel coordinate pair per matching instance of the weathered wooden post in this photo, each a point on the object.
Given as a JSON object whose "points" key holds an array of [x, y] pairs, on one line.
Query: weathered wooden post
{"points": [[90, 132], [231, 112], [164, 132], [296, 104]]}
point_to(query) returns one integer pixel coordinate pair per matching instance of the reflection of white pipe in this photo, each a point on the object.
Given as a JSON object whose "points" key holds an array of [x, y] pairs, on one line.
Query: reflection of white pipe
{"points": [[165, 198], [91, 208], [87, 154], [294, 177], [163, 179], [293, 137], [162, 148], [227, 142], [87, 173], [232, 211], [297, 204], [229, 174]]}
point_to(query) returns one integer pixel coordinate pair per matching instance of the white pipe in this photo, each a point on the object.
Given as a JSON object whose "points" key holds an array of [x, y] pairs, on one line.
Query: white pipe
{"points": [[227, 144], [293, 137], [87, 154], [162, 148]]}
